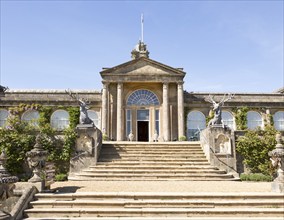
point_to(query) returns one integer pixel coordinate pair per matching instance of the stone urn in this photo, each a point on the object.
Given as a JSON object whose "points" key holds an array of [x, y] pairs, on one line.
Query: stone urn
{"points": [[36, 160], [7, 181], [277, 159]]}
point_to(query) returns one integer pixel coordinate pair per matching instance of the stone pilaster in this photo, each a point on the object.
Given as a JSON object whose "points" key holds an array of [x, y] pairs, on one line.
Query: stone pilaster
{"points": [[180, 109], [104, 108], [166, 128], [119, 129]]}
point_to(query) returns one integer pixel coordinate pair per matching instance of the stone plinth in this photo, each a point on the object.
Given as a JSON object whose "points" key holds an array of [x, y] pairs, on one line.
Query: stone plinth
{"points": [[277, 159], [87, 149], [217, 144]]}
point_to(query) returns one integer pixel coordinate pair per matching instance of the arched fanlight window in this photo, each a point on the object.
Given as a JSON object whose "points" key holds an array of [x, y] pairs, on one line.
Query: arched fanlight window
{"points": [[143, 97], [228, 119], [31, 116], [95, 117], [195, 121], [278, 119], [3, 117], [60, 120], [254, 120]]}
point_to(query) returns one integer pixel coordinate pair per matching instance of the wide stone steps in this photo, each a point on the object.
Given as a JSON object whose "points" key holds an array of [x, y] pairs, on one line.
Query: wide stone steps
{"points": [[156, 205], [152, 161]]}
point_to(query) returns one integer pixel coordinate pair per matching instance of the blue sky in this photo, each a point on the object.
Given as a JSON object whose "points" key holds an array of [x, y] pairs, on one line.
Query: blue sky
{"points": [[224, 46]]}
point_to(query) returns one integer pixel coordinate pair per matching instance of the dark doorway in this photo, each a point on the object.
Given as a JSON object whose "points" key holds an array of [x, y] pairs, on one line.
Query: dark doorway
{"points": [[143, 130]]}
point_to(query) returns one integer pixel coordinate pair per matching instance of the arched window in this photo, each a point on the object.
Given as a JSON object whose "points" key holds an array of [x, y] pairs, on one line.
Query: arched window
{"points": [[60, 120], [278, 119], [195, 121], [95, 117], [254, 120], [143, 97], [228, 119], [3, 117], [31, 116]]}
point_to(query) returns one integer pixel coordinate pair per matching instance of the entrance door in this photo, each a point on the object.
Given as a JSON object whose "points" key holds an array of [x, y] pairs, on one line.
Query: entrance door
{"points": [[143, 130]]}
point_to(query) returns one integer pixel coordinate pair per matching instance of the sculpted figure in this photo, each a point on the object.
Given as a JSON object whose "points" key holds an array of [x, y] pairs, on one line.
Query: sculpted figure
{"points": [[217, 108], [84, 118]]}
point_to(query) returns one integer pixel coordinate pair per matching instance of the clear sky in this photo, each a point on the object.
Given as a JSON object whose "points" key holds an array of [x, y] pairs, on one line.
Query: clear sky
{"points": [[223, 46]]}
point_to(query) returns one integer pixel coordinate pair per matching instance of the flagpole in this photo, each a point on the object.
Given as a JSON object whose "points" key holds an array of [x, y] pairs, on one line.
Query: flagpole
{"points": [[142, 28]]}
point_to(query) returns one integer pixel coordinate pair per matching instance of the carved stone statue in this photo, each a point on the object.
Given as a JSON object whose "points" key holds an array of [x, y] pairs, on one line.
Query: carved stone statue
{"points": [[277, 160], [217, 108], [84, 117]]}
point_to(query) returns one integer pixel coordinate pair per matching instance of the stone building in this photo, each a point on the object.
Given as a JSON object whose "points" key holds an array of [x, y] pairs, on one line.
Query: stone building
{"points": [[146, 98]]}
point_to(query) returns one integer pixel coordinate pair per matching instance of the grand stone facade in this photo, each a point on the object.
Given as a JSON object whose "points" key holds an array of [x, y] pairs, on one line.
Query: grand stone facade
{"points": [[146, 98]]}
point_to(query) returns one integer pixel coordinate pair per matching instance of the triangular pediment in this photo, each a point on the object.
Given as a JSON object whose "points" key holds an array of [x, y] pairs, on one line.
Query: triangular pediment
{"points": [[143, 66]]}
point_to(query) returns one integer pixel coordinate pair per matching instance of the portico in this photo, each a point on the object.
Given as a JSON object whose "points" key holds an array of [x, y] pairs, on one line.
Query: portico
{"points": [[142, 97]]}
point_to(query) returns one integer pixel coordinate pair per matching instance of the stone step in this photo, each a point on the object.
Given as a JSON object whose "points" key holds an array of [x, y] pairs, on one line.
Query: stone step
{"points": [[148, 159], [153, 212], [153, 176], [151, 163], [81, 203], [170, 153], [162, 218], [153, 171], [195, 196], [157, 167]]}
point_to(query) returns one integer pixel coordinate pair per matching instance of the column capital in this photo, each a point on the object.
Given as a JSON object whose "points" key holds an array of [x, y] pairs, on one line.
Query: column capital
{"points": [[105, 85], [119, 85]]}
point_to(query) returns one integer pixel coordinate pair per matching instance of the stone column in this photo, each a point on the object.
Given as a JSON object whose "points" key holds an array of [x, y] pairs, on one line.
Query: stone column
{"points": [[104, 108], [180, 109], [166, 128], [119, 130]]}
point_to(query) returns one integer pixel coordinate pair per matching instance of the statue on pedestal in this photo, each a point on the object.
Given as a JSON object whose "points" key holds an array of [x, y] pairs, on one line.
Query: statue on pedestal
{"points": [[217, 108], [84, 117]]}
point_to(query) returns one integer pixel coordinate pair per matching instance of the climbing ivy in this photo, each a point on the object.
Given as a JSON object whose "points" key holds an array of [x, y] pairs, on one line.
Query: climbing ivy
{"points": [[18, 137], [241, 117]]}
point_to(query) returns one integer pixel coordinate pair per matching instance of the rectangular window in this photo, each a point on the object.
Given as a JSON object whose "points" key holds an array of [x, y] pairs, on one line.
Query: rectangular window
{"points": [[157, 121], [128, 121], [142, 115]]}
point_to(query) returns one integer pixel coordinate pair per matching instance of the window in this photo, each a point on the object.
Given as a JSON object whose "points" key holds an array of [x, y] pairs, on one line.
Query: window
{"points": [[128, 121], [278, 119], [157, 121], [143, 97], [254, 120], [3, 117], [228, 119], [195, 121], [31, 116], [60, 119], [95, 117]]}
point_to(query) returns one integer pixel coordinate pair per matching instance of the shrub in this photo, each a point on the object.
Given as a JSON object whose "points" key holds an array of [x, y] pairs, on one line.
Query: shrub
{"points": [[256, 177], [61, 177], [254, 148], [182, 138]]}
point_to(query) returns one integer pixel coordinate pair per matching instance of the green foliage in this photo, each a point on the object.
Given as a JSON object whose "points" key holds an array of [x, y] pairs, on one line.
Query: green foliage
{"points": [[18, 137], [256, 177], [182, 138], [105, 137], [241, 117], [61, 177], [74, 114], [254, 148], [209, 117]]}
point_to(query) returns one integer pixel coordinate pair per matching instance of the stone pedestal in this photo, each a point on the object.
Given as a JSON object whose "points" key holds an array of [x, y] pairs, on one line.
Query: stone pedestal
{"points": [[88, 146], [277, 159], [217, 144]]}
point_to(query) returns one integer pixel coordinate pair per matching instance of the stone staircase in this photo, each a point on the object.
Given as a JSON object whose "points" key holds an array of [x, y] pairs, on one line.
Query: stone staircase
{"points": [[155, 161], [114, 205]]}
